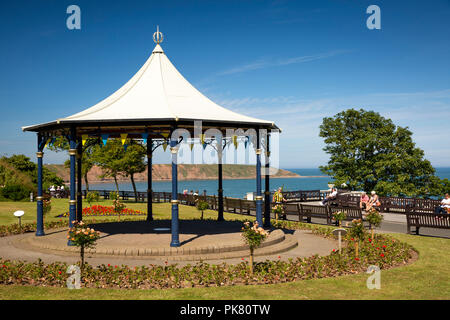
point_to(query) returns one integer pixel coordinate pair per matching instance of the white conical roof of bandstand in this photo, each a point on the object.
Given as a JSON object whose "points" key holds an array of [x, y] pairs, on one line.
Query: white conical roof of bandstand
{"points": [[158, 91]]}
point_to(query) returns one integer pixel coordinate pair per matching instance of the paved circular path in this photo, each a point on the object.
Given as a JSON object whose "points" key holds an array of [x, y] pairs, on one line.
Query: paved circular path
{"points": [[136, 243]]}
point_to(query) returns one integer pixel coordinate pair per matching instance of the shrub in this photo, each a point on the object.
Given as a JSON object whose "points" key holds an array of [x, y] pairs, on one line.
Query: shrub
{"points": [[114, 195], [374, 218], [83, 237], [339, 216], [15, 192], [253, 236], [92, 196], [202, 206], [118, 207], [47, 206], [357, 232]]}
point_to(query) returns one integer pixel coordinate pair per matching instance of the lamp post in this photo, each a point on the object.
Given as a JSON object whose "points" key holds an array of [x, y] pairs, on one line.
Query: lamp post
{"points": [[19, 215]]}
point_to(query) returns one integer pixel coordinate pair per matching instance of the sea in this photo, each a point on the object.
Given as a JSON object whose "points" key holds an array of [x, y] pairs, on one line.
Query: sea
{"points": [[238, 188]]}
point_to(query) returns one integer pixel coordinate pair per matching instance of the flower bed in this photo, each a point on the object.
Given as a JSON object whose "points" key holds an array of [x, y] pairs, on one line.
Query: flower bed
{"points": [[383, 251], [98, 210]]}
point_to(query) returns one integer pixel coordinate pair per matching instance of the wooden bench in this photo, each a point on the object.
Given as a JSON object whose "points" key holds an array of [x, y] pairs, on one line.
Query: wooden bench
{"points": [[350, 213], [427, 220], [310, 211], [247, 206]]}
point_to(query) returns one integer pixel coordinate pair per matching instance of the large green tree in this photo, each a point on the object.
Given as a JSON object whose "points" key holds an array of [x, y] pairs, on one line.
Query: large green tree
{"points": [[109, 159], [133, 162], [369, 152], [24, 165]]}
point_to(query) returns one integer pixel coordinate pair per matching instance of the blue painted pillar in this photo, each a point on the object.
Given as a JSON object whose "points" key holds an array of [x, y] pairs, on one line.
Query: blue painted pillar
{"points": [[175, 227], [267, 204], [72, 201], [149, 179], [220, 174], [258, 197], [39, 198], [79, 182]]}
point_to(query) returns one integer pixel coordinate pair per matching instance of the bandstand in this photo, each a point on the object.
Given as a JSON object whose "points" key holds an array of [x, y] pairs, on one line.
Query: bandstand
{"points": [[156, 106]]}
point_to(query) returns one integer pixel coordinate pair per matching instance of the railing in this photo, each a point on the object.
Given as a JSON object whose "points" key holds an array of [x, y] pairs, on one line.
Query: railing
{"points": [[388, 204]]}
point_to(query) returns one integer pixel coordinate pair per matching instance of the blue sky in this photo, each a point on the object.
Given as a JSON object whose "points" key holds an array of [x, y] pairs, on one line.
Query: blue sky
{"points": [[293, 62]]}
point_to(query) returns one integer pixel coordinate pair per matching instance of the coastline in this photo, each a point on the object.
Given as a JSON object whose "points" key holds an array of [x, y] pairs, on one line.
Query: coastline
{"points": [[199, 179]]}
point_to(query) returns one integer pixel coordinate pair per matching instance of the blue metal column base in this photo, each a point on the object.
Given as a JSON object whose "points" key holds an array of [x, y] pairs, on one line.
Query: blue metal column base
{"points": [[175, 227], [39, 199]]}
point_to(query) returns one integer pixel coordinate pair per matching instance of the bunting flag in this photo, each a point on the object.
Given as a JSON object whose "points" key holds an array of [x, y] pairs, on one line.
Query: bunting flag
{"points": [[46, 143], [144, 137], [245, 142], [191, 145], [235, 142], [202, 139], [84, 138], [104, 139], [123, 137], [204, 145], [165, 134], [165, 146], [125, 146]]}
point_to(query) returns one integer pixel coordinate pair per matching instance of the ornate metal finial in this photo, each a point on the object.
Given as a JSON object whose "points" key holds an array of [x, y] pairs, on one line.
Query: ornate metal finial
{"points": [[158, 36]]}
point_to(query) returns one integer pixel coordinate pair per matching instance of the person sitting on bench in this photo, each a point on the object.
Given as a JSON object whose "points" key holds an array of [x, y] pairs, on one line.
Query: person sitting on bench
{"points": [[331, 196], [363, 201], [374, 202], [445, 205]]}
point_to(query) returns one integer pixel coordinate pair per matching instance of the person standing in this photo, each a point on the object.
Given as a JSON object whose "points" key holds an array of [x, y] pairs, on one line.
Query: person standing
{"points": [[278, 199]]}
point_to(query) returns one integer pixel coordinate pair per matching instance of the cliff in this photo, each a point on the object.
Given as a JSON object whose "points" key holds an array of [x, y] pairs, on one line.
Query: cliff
{"points": [[163, 172]]}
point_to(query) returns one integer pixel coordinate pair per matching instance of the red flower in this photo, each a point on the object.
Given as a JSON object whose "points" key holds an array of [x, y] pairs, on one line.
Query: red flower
{"points": [[59, 272], [279, 257], [116, 266], [384, 246], [353, 239], [357, 259], [109, 265], [382, 255]]}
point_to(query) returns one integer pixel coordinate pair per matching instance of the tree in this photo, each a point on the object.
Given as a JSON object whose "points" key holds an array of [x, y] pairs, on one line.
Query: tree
{"points": [[368, 152], [23, 164], [133, 162], [110, 159]]}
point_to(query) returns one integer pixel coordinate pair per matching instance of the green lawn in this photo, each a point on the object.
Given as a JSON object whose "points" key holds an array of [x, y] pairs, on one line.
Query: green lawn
{"points": [[160, 210], [427, 278]]}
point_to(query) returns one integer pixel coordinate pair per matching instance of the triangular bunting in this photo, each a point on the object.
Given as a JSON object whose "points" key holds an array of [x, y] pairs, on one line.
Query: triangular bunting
{"points": [[165, 146], [123, 137], [46, 144], [105, 138], [191, 145], [235, 142], [144, 137], [84, 138], [165, 134], [125, 146]]}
